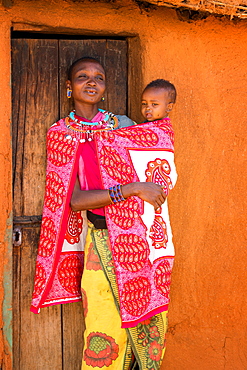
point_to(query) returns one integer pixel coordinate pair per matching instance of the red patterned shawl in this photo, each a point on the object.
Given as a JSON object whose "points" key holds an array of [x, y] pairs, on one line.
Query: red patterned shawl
{"points": [[141, 239], [59, 263]]}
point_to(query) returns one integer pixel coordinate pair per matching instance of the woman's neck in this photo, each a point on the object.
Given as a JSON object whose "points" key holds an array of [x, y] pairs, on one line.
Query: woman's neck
{"points": [[87, 111]]}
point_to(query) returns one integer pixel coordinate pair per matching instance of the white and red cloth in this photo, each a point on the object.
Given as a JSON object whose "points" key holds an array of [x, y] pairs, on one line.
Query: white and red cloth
{"points": [[140, 238]]}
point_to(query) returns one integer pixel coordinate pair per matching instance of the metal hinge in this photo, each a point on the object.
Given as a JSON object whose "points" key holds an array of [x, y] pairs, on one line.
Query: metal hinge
{"points": [[17, 236]]}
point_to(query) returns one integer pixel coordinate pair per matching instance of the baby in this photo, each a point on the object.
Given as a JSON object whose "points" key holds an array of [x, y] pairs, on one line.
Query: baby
{"points": [[158, 98]]}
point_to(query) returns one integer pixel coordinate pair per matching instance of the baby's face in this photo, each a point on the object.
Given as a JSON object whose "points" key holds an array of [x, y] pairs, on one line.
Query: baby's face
{"points": [[155, 103]]}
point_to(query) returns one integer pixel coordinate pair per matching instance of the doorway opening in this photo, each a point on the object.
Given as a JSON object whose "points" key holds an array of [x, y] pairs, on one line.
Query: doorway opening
{"points": [[54, 338]]}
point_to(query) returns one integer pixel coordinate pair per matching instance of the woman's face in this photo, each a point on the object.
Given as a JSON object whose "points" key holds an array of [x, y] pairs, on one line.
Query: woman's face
{"points": [[87, 83]]}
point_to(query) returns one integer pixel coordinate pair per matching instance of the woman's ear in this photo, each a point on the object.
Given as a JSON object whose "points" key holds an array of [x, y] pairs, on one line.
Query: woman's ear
{"points": [[68, 84]]}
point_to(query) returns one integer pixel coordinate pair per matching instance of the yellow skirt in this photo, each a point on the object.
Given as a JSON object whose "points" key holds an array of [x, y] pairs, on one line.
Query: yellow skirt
{"points": [[107, 345]]}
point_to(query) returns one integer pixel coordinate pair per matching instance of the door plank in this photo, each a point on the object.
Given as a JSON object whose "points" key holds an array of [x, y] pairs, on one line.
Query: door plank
{"points": [[36, 338], [35, 108], [73, 341], [116, 73], [16, 307], [39, 335]]}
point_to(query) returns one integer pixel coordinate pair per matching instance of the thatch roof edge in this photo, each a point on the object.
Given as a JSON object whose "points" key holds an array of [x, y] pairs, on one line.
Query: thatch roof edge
{"points": [[210, 6]]}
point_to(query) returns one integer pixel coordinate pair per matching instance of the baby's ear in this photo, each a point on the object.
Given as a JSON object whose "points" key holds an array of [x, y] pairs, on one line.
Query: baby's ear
{"points": [[169, 107]]}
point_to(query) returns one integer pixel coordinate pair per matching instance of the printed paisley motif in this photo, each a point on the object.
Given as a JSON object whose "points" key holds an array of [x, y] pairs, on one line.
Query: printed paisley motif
{"points": [[74, 227], [69, 274], [125, 213], [140, 136], [60, 150], [162, 278], [131, 252], [107, 135], [47, 238], [158, 233], [115, 167], [158, 172], [136, 295], [55, 191]]}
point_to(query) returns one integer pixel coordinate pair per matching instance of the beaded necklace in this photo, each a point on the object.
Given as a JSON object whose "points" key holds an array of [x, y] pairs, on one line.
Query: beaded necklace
{"points": [[84, 131]]}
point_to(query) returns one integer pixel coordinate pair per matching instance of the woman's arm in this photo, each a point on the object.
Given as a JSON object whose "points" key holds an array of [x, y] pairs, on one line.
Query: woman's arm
{"points": [[92, 199], [88, 199]]}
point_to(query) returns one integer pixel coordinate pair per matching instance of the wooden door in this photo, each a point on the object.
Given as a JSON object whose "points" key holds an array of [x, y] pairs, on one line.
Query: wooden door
{"points": [[54, 338]]}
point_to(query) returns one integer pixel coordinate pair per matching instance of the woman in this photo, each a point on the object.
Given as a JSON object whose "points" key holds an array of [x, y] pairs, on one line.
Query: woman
{"points": [[87, 84], [74, 181]]}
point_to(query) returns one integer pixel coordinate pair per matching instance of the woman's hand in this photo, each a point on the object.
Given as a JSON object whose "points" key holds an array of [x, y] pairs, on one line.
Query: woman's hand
{"points": [[147, 191], [92, 199]]}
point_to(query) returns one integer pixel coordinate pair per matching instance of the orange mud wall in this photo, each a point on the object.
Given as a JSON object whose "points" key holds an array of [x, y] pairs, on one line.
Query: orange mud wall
{"points": [[207, 61]]}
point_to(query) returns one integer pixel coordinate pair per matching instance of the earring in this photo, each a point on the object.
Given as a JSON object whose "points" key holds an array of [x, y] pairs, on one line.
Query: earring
{"points": [[102, 99], [69, 93]]}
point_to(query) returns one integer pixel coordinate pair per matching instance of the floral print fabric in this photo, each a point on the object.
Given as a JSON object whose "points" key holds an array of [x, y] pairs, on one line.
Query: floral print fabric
{"points": [[107, 345]]}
